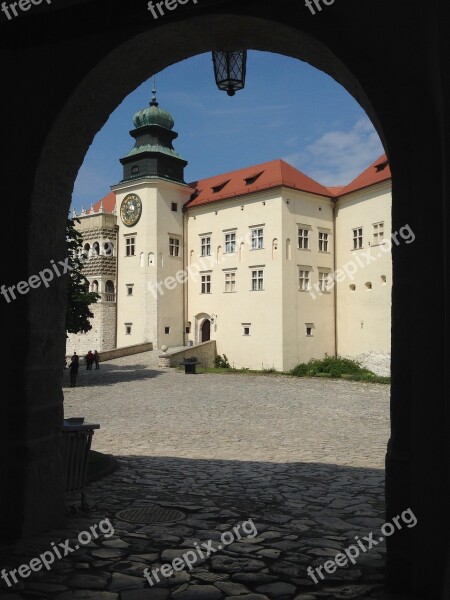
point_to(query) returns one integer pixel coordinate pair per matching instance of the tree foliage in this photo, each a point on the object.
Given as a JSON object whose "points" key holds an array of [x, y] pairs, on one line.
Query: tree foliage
{"points": [[79, 298]]}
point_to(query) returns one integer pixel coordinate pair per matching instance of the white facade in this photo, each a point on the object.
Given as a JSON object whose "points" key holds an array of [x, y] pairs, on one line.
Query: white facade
{"points": [[274, 267]]}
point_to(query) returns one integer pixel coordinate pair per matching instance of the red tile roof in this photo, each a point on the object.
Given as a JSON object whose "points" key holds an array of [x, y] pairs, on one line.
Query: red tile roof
{"points": [[109, 202], [265, 176], [253, 179], [377, 172]]}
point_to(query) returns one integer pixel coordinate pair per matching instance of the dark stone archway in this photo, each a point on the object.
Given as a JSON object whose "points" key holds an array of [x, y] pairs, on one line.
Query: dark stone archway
{"points": [[66, 68]]}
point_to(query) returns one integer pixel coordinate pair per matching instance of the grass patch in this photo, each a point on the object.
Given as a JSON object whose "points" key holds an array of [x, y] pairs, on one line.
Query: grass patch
{"points": [[337, 367]]}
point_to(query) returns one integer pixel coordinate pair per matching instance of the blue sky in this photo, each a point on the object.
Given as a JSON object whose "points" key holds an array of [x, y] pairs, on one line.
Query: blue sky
{"points": [[287, 110]]}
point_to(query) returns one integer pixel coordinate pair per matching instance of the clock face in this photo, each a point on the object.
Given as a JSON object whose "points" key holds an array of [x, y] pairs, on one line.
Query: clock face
{"points": [[130, 210]]}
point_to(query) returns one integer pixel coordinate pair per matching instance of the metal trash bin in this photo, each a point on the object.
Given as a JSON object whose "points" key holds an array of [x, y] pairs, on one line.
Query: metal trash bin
{"points": [[76, 443], [190, 366]]}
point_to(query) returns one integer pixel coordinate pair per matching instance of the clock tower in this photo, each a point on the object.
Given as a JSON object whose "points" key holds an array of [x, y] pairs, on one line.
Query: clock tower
{"points": [[151, 246]]}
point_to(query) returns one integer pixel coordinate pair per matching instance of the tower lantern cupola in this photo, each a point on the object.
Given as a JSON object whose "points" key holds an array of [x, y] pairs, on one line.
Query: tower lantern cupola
{"points": [[153, 154]]}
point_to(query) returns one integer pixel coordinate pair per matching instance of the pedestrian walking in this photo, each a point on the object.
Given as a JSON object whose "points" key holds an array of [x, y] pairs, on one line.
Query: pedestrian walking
{"points": [[73, 370], [89, 360], [96, 360]]}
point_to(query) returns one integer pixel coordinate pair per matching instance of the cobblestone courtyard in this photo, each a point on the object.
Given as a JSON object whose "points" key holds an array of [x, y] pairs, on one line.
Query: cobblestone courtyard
{"points": [[302, 458]]}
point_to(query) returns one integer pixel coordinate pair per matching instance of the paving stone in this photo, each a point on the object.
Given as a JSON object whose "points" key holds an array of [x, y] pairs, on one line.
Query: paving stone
{"points": [[90, 594], [229, 565], [121, 581], [115, 544], [208, 576], [254, 578], [198, 592], [46, 587], [248, 597], [86, 581], [231, 588], [277, 589], [146, 594], [106, 553]]}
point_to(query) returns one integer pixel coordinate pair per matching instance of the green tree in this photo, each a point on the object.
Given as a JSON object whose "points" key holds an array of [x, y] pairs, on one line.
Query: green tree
{"points": [[79, 298]]}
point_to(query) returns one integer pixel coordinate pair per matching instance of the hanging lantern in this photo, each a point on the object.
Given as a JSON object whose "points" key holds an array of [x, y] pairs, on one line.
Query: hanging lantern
{"points": [[229, 70]]}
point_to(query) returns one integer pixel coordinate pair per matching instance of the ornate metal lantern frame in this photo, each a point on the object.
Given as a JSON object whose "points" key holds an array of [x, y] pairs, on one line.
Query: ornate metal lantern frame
{"points": [[230, 69]]}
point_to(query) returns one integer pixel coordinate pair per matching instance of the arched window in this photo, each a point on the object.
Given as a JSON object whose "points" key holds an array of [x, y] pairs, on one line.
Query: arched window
{"points": [[288, 249], [110, 291], [96, 249], [274, 249], [94, 286], [108, 249], [86, 252], [142, 260], [151, 259]]}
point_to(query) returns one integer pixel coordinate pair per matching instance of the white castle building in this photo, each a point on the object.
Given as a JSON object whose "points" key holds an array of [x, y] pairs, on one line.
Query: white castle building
{"points": [[273, 266]]}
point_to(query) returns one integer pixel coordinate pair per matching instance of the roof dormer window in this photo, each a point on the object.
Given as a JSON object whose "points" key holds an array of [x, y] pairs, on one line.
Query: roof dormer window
{"points": [[218, 188], [250, 180]]}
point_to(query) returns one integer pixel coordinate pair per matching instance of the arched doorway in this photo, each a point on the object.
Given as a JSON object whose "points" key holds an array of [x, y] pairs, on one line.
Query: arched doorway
{"points": [[206, 331]]}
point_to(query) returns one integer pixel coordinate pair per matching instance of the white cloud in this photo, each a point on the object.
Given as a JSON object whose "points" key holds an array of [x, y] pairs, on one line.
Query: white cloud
{"points": [[338, 156]]}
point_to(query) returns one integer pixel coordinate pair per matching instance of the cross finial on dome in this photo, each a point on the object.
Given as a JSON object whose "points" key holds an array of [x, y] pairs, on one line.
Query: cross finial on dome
{"points": [[154, 102]]}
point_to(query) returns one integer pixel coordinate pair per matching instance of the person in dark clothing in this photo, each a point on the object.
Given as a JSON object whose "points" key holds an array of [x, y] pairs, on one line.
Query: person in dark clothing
{"points": [[96, 360], [89, 360], [73, 370]]}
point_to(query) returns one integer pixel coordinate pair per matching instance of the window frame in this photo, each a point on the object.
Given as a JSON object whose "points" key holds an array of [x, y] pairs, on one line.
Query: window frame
{"points": [[130, 246], [230, 281], [324, 240], [377, 231], [258, 239], [174, 247], [257, 275], [358, 238], [205, 247], [304, 279], [303, 237], [230, 244], [206, 283]]}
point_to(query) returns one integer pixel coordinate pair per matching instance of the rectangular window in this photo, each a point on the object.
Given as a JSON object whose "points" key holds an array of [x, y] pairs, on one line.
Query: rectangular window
{"points": [[206, 246], [206, 284], [257, 280], [257, 239], [128, 327], [303, 239], [378, 233], [357, 238], [167, 330], [230, 281], [309, 329], [323, 241], [174, 207], [323, 281], [130, 246], [246, 328], [230, 242], [304, 280], [130, 289], [174, 247]]}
